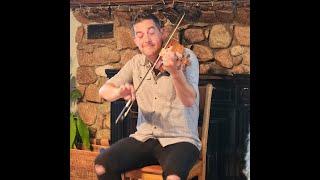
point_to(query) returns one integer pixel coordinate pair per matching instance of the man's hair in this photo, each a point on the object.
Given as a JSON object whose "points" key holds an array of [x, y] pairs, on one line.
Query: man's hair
{"points": [[144, 16]]}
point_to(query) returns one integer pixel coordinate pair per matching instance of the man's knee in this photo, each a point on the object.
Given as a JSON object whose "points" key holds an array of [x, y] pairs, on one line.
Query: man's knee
{"points": [[99, 169], [173, 177], [103, 165]]}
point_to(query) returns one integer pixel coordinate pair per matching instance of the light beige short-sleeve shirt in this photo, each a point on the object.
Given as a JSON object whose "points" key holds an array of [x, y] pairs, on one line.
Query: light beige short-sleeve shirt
{"points": [[161, 114]]}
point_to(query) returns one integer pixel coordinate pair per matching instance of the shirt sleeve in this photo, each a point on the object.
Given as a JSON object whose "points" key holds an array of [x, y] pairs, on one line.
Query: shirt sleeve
{"points": [[192, 71], [124, 75]]}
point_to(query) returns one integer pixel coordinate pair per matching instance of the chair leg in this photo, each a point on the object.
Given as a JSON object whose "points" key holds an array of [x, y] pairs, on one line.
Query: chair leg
{"points": [[123, 177], [200, 177]]}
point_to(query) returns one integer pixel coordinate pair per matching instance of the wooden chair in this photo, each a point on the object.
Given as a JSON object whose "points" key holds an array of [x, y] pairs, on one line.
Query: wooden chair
{"points": [[154, 172]]}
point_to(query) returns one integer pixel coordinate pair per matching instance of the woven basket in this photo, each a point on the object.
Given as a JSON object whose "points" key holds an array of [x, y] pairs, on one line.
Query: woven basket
{"points": [[82, 163]]}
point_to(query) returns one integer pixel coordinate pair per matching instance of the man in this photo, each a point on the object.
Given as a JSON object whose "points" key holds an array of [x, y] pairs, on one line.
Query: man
{"points": [[168, 104]]}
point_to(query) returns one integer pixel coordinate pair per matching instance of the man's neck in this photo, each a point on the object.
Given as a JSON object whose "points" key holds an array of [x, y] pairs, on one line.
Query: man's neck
{"points": [[152, 59]]}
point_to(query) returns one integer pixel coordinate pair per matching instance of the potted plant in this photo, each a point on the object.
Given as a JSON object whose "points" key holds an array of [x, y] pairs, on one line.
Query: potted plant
{"points": [[81, 154], [79, 132]]}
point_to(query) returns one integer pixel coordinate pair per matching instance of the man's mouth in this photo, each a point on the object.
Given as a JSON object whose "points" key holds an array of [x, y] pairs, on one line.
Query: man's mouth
{"points": [[147, 45]]}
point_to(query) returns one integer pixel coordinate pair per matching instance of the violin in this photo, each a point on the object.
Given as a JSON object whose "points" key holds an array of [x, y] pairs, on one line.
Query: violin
{"points": [[178, 49]]}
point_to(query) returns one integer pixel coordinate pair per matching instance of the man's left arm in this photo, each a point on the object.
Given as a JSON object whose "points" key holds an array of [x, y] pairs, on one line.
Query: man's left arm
{"points": [[184, 90], [184, 83]]}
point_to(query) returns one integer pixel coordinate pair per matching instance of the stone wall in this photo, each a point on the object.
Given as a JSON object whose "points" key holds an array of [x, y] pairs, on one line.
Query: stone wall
{"points": [[220, 48], [219, 39]]}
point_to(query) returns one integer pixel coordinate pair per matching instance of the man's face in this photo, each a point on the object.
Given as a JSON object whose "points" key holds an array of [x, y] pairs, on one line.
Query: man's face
{"points": [[148, 38]]}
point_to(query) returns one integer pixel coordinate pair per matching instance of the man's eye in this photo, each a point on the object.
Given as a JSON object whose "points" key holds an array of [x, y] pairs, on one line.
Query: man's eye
{"points": [[151, 31], [139, 35]]}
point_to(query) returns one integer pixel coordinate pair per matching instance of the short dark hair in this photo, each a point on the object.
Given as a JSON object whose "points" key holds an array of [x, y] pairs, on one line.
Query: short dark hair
{"points": [[140, 16]]}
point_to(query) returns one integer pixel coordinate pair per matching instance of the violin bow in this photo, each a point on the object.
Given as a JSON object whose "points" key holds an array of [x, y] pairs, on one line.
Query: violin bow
{"points": [[129, 104]]}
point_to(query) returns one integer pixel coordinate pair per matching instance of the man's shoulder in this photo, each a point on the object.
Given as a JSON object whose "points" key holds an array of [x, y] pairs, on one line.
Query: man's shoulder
{"points": [[137, 59], [187, 50], [190, 54]]}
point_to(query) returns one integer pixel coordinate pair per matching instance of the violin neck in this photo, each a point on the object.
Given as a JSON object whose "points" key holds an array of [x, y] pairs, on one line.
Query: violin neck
{"points": [[174, 31]]}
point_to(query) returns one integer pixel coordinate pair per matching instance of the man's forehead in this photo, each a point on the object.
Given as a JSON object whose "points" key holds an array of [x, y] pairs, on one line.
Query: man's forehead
{"points": [[145, 24]]}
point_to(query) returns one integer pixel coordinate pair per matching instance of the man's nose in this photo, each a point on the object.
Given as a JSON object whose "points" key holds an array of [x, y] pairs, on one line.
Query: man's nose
{"points": [[147, 38]]}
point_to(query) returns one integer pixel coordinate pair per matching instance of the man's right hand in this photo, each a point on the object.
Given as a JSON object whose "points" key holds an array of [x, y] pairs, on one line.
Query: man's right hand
{"points": [[127, 92]]}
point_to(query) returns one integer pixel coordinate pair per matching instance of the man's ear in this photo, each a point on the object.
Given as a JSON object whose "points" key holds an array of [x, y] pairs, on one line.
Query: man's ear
{"points": [[135, 40], [164, 34], [161, 30], [134, 36]]}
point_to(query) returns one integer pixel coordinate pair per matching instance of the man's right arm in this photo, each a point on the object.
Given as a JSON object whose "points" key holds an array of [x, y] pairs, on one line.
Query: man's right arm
{"points": [[111, 92], [119, 86]]}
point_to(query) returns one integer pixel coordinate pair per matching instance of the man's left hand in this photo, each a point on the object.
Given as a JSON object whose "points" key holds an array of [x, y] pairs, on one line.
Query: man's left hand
{"points": [[170, 61]]}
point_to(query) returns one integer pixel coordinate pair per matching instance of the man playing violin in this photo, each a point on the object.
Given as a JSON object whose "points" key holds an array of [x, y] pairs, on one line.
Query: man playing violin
{"points": [[167, 125]]}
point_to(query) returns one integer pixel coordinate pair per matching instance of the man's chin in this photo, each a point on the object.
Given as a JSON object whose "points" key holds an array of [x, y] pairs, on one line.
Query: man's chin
{"points": [[150, 54]]}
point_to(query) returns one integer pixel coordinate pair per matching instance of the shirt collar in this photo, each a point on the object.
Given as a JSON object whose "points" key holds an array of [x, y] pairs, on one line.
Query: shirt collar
{"points": [[145, 62]]}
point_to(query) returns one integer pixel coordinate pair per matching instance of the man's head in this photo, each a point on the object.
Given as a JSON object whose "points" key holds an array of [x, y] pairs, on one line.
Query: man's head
{"points": [[148, 34], [145, 15]]}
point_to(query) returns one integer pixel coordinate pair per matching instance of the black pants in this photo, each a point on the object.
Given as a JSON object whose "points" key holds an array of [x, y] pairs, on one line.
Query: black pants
{"points": [[129, 153]]}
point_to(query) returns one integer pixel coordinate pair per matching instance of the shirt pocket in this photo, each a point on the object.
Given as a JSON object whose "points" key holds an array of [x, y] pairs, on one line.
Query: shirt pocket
{"points": [[166, 90]]}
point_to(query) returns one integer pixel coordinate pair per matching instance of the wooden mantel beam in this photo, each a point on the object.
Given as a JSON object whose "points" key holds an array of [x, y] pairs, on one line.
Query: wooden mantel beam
{"points": [[76, 3]]}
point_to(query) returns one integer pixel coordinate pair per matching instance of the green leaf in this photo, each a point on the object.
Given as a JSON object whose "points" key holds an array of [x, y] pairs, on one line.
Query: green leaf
{"points": [[75, 94], [84, 133], [73, 130]]}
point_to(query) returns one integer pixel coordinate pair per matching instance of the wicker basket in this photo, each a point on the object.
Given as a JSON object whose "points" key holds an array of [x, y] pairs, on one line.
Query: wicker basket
{"points": [[82, 163]]}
